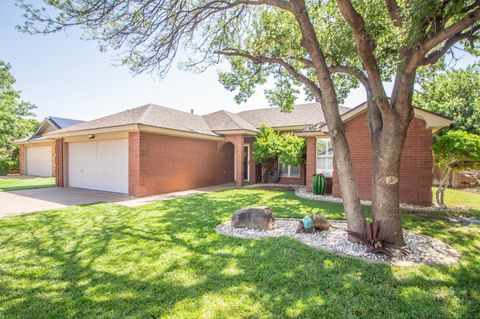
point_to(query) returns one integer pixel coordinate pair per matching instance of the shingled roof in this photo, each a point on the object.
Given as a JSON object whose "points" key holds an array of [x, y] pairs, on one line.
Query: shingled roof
{"points": [[151, 115], [226, 121], [213, 124], [301, 115]]}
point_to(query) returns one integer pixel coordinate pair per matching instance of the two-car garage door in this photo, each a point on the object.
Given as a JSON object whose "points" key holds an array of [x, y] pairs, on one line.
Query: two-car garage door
{"points": [[99, 165]]}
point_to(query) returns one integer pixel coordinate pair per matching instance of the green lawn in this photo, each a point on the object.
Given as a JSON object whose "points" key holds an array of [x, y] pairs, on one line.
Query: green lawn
{"points": [[13, 184], [460, 199], [165, 260]]}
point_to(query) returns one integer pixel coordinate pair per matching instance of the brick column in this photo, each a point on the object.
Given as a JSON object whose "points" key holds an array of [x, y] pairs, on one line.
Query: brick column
{"points": [[237, 141], [310, 163], [134, 171], [21, 159], [59, 163]]}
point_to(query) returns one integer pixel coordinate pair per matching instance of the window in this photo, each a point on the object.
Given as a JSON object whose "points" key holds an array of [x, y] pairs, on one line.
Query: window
{"points": [[288, 170], [324, 157]]}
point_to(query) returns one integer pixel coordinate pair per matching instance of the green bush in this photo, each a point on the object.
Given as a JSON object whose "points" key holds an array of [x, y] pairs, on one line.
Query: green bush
{"points": [[4, 167], [13, 167]]}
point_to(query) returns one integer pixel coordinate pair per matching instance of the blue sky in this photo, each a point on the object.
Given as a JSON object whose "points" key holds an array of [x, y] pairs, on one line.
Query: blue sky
{"points": [[69, 77]]}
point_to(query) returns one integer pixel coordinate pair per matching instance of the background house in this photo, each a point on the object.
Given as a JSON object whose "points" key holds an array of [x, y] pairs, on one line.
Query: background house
{"points": [[37, 153]]}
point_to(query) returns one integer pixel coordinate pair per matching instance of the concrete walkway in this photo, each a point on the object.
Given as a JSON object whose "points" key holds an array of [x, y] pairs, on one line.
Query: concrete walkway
{"points": [[33, 200]]}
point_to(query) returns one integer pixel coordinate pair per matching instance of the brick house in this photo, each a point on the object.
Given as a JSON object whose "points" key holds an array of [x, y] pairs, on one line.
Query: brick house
{"points": [[153, 149]]}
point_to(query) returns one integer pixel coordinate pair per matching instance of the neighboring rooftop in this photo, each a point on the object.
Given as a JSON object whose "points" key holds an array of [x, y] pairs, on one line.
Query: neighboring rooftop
{"points": [[63, 122], [151, 115], [302, 115]]}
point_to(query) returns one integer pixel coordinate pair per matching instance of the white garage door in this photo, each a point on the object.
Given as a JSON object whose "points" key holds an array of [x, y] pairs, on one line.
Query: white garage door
{"points": [[100, 165], [39, 161]]}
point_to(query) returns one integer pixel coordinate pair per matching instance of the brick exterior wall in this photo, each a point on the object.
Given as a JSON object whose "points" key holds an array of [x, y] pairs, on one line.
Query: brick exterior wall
{"points": [[161, 163], [22, 155], [416, 167], [311, 163]]}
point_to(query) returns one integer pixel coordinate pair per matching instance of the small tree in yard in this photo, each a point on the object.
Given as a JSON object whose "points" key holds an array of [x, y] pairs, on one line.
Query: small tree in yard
{"points": [[266, 149], [269, 146], [455, 151], [327, 47]]}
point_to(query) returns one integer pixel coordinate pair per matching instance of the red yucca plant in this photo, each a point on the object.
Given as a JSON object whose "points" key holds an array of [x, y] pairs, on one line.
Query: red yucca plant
{"points": [[376, 241]]}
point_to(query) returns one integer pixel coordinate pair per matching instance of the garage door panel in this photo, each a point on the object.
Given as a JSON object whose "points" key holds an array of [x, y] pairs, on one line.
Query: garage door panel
{"points": [[81, 164], [100, 165], [39, 161]]}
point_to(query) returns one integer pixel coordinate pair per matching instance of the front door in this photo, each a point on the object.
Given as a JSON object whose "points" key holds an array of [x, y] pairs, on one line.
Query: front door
{"points": [[246, 161]]}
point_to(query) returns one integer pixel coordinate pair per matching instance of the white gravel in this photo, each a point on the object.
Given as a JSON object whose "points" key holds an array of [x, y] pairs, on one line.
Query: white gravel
{"points": [[423, 249]]}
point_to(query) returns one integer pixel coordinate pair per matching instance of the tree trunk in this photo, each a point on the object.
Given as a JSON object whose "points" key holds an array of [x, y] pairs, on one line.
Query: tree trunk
{"points": [[351, 201], [327, 96], [440, 193], [387, 146], [266, 168]]}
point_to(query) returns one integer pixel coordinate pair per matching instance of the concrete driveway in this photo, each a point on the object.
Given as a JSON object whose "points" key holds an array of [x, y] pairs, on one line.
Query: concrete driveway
{"points": [[32, 200]]}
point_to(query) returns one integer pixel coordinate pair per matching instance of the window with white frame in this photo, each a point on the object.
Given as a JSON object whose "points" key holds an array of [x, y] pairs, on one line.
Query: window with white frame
{"points": [[288, 170], [324, 156]]}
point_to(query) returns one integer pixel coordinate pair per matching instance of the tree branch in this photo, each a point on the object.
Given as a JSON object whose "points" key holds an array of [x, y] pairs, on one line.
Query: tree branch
{"points": [[434, 56], [365, 50], [394, 12], [359, 75], [441, 36], [279, 61]]}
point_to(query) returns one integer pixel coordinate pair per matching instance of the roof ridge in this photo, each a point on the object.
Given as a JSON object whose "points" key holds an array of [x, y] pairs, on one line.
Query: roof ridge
{"points": [[278, 107], [147, 110], [234, 119]]}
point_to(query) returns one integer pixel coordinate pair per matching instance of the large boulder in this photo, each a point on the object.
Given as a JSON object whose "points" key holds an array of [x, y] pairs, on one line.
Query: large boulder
{"points": [[254, 217]]}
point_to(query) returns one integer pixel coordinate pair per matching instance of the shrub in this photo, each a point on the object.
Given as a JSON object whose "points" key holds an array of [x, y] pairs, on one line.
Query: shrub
{"points": [[13, 167], [4, 165]]}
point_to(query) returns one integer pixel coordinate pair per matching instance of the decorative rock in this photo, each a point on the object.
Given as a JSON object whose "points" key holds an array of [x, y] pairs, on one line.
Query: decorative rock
{"points": [[424, 250], [320, 222], [254, 218]]}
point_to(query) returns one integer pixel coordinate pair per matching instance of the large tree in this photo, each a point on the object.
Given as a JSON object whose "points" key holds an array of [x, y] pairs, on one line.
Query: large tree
{"points": [[326, 46], [16, 120], [456, 94]]}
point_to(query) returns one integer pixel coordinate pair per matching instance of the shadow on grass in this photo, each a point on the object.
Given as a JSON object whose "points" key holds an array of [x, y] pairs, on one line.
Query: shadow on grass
{"points": [[166, 260], [19, 188]]}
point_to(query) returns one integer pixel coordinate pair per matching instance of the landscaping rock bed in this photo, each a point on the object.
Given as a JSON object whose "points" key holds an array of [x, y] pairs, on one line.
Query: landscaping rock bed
{"points": [[423, 249]]}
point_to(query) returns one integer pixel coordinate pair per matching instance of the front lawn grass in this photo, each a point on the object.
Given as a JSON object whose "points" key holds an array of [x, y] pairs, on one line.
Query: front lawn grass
{"points": [[165, 260], [457, 198], [13, 184]]}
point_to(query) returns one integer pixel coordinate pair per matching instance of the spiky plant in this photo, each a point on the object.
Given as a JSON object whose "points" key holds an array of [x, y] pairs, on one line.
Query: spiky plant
{"points": [[376, 241]]}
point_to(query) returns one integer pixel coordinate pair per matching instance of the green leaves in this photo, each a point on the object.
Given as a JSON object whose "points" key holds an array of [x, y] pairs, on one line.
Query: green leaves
{"points": [[15, 114], [266, 146], [293, 149], [458, 150], [454, 94], [269, 145]]}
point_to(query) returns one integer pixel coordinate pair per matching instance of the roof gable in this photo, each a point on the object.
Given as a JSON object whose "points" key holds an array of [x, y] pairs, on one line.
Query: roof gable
{"points": [[432, 120], [301, 115], [222, 121]]}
